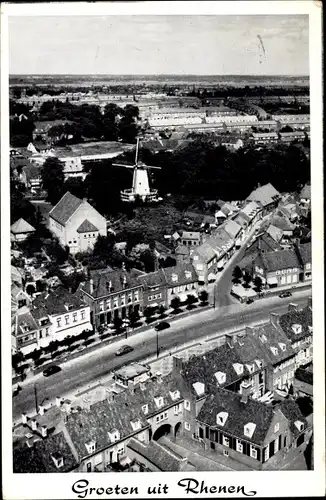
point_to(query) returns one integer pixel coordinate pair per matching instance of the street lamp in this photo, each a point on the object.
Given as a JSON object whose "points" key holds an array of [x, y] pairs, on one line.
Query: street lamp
{"points": [[35, 394], [157, 347], [125, 323]]}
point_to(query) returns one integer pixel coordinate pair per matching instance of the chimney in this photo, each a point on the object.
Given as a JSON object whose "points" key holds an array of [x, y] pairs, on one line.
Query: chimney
{"points": [[68, 406], [24, 418], [292, 307], [274, 319], [91, 286], [41, 409], [58, 401], [44, 431], [34, 424], [245, 392]]}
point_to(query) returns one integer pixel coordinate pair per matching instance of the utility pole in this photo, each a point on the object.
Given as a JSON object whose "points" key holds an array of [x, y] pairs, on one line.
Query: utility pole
{"points": [[157, 348], [35, 393]]}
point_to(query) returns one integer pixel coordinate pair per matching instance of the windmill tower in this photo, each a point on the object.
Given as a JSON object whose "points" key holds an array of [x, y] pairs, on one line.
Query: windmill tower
{"points": [[140, 184]]}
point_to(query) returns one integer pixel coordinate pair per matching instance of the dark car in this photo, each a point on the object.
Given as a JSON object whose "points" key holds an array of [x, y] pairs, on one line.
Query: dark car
{"points": [[285, 294], [124, 350], [51, 370], [162, 326], [250, 300]]}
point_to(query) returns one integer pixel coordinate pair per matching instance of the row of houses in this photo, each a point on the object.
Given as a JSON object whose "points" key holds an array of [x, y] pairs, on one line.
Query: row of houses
{"points": [[231, 400], [263, 138]]}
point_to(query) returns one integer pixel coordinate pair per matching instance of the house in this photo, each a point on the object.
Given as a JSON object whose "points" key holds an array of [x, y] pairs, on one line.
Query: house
{"points": [[267, 196], [24, 331], [304, 251], [20, 230], [182, 254], [41, 129], [262, 243], [181, 280], [284, 224], [204, 260], [263, 138], [111, 294], [232, 143], [19, 298], [297, 326], [303, 381], [154, 293], [155, 457], [278, 268], [305, 200], [249, 214], [31, 177], [235, 231], [76, 223], [251, 432], [58, 314], [288, 137], [190, 238], [131, 375]]}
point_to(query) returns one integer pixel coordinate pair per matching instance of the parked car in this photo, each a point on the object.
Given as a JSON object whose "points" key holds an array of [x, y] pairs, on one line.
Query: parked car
{"points": [[282, 295], [250, 300], [162, 326], [51, 370], [124, 350]]}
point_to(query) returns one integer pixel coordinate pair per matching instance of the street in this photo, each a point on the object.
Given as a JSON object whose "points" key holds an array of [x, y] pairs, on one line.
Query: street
{"points": [[90, 368]]}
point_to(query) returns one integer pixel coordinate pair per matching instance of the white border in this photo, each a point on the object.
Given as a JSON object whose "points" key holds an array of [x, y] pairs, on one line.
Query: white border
{"points": [[268, 484]]}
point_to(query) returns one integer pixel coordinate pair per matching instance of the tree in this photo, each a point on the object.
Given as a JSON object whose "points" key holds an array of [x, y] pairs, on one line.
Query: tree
{"points": [[191, 299], [133, 318], [161, 310], [53, 179], [30, 289], [258, 284], [149, 312], [246, 279], [117, 324], [16, 359], [175, 303], [237, 275], [203, 296], [75, 186]]}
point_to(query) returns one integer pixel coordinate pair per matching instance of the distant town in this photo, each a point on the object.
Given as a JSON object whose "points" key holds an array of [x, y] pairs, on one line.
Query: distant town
{"points": [[161, 270]]}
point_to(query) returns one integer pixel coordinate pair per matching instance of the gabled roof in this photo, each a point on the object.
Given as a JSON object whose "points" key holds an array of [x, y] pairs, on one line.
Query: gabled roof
{"points": [[204, 251], [181, 270], [283, 259], [86, 227], [264, 194], [21, 227], [306, 192], [232, 228], [65, 208], [55, 302], [162, 458], [239, 414], [275, 232], [102, 278], [282, 223], [301, 317], [265, 243], [305, 253], [156, 278], [38, 458]]}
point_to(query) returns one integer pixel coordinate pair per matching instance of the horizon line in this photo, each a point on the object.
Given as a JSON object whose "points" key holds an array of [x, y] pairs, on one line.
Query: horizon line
{"points": [[162, 74]]}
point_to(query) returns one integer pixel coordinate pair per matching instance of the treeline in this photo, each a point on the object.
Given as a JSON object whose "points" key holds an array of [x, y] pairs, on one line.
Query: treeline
{"points": [[87, 121]]}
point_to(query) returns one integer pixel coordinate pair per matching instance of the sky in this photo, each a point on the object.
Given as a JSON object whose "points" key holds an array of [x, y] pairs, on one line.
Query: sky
{"points": [[197, 45]]}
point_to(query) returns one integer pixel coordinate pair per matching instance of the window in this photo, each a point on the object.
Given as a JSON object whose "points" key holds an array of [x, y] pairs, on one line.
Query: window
{"points": [[82, 314], [253, 452], [187, 426], [226, 441], [58, 322], [157, 419], [187, 405], [115, 302], [101, 306], [225, 453], [276, 427], [74, 317], [41, 334], [166, 414], [145, 409], [136, 295], [121, 450], [84, 235], [67, 320], [239, 446]]}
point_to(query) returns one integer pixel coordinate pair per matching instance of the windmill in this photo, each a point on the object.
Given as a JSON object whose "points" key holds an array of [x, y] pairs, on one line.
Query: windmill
{"points": [[140, 185]]}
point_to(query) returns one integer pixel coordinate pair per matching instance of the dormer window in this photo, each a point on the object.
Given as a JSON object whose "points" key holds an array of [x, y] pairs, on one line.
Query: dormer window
{"points": [[250, 368], [114, 435], [249, 429], [174, 277], [159, 401], [259, 363], [238, 367], [136, 424], [145, 409], [274, 351], [221, 418], [90, 446], [299, 425], [297, 328], [69, 307], [57, 459], [188, 274], [175, 395], [199, 388], [220, 377], [282, 346], [26, 329]]}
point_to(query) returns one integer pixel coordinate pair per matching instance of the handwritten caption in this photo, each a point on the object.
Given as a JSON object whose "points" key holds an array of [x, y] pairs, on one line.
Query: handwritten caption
{"points": [[83, 489]]}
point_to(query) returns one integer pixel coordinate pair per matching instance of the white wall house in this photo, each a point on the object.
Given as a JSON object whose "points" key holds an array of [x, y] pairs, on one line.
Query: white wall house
{"points": [[76, 223]]}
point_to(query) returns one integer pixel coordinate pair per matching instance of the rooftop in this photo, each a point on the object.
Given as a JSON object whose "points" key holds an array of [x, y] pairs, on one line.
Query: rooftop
{"points": [[266, 195], [21, 227], [65, 208], [162, 458]]}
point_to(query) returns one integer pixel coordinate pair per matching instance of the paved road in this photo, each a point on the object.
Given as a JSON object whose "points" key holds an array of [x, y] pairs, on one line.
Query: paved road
{"points": [[90, 368]]}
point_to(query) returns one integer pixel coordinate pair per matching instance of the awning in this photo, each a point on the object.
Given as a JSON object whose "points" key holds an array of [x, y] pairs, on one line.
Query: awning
{"points": [[272, 281]]}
